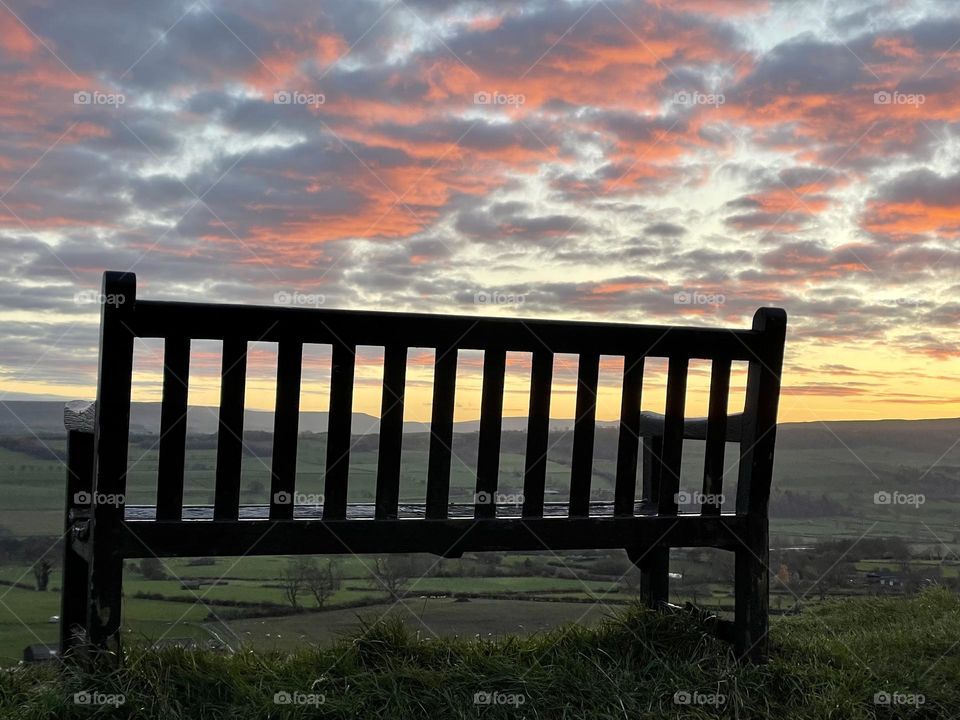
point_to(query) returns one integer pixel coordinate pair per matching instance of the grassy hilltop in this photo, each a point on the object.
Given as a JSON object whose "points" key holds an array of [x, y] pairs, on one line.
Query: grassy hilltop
{"points": [[867, 658]]}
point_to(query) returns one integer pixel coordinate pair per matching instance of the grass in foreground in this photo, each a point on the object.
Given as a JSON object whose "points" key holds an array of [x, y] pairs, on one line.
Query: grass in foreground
{"points": [[830, 663]]}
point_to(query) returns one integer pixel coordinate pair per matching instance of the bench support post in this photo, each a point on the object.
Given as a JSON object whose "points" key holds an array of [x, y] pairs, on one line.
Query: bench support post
{"points": [[111, 437], [753, 486]]}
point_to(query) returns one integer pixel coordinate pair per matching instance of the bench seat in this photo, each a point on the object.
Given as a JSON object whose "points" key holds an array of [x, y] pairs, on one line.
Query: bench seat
{"points": [[365, 511]]}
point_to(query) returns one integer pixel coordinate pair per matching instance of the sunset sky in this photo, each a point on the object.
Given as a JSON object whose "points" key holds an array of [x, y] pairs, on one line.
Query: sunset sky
{"points": [[662, 162]]}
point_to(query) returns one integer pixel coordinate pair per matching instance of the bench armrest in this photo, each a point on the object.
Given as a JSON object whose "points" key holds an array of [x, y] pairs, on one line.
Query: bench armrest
{"points": [[79, 415]]}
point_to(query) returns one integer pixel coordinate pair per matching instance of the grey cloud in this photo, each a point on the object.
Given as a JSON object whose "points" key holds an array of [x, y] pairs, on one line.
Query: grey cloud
{"points": [[665, 229], [923, 185]]}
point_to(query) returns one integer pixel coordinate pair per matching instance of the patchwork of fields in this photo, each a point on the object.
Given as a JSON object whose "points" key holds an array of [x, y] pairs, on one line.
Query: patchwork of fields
{"points": [[204, 612], [825, 485], [823, 491]]}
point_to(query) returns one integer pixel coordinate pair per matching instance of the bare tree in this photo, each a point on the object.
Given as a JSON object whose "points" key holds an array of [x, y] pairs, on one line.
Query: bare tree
{"points": [[394, 572], [322, 581], [294, 580], [827, 573]]}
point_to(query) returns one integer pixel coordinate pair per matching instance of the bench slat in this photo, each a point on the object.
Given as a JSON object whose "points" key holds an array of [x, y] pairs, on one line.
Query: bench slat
{"points": [[233, 379], [538, 433], [286, 424], [716, 434], [272, 324], [581, 465], [173, 428], [629, 439], [338, 431], [441, 432], [652, 468], [672, 451], [491, 422], [391, 431]]}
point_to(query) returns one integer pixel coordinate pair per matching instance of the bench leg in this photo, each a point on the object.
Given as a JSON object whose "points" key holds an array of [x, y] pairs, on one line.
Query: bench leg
{"points": [[73, 585], [105, 587], [73, 603], [752, 599], [106, 582], [654, 577]]}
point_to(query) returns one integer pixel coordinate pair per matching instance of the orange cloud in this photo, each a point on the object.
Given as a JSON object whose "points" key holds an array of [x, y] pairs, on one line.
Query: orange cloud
{"points": [[15, 39], [905, 219]]}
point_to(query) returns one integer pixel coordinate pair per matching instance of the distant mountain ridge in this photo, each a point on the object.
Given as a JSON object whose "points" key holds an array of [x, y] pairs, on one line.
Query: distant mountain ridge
{"points": [[46, 416], [19, 417]]}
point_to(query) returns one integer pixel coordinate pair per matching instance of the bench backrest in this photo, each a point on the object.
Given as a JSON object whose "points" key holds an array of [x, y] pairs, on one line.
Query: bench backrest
{"points": [[127, 318]]}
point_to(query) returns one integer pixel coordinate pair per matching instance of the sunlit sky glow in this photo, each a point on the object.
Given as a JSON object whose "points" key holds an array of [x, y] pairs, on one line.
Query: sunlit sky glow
{"points": [[741, 152]]}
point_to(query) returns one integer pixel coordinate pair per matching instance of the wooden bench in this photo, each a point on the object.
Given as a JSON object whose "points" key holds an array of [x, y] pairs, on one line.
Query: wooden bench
{"points": [[103, 533]]}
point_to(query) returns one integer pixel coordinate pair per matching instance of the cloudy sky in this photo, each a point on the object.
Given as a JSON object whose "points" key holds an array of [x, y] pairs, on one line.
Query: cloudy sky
{"points": [[659, 162]]}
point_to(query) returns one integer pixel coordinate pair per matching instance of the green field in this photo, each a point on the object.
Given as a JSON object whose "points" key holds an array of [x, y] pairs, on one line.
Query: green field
{"points": [[25, 614], [174, 611], [841, 478], [428, 618], [833, 490]]}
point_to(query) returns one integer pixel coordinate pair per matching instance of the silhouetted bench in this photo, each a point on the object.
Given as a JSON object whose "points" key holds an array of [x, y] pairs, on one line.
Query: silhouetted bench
{"points": [[104, 532]]}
